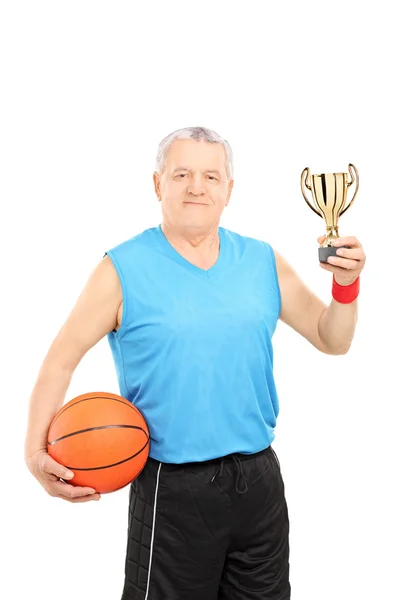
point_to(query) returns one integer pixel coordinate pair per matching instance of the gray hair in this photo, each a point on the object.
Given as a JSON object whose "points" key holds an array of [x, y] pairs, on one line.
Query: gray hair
{"points": [[198, 134]]}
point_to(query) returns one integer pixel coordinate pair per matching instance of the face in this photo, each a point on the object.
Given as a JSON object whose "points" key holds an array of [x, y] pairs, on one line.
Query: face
{"points": [[193, 187]]}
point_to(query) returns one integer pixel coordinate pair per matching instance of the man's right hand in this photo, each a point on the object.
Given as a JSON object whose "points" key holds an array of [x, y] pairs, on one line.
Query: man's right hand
{"points": [[49, 474]]}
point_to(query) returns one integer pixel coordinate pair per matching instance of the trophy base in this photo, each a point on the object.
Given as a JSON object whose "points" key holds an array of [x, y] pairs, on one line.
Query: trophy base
{"points": [[324, 253]]}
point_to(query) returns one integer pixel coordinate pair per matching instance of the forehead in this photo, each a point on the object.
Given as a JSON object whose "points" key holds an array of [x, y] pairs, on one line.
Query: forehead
{"points": [[196, 154]]}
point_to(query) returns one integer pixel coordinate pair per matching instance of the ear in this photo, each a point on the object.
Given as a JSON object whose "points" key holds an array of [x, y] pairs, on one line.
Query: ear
{"points": [[157, 184], [230, 186]]}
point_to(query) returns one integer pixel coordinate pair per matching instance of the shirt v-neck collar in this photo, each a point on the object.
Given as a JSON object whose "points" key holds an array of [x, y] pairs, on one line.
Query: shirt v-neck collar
{"points": [[177, 256]]}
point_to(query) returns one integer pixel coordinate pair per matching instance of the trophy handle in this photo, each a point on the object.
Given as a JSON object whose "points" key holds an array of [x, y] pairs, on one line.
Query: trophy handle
{"points": [[306, 186], [354, 178]]}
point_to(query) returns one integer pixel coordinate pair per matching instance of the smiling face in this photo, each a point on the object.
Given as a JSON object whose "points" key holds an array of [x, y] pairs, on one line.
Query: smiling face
{"points": [[194, 186]]}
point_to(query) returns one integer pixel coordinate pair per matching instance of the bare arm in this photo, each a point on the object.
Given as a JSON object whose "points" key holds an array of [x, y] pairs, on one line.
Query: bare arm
{"points": [[329, 328], [93, 316]]}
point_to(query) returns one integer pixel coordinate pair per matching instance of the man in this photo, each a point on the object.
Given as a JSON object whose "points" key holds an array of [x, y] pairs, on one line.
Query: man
{"points": [[189, 309]]}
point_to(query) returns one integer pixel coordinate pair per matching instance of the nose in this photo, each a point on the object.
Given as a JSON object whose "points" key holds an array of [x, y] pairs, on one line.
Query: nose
{"points": [[196, 186]]}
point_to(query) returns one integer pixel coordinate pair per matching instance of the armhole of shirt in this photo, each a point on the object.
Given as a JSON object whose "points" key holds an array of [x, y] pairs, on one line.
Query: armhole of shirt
{"points": [[117, 267], [275, 273]]}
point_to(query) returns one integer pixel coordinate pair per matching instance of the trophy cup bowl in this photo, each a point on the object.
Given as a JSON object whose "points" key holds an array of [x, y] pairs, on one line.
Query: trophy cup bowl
{"points": [[330, 201]]}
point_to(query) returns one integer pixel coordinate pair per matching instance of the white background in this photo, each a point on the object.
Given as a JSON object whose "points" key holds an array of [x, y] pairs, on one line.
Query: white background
{"points": [[88, 89]]}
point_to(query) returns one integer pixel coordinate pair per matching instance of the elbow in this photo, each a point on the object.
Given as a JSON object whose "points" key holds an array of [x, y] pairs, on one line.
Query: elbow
{"points": [[341, 351], [338, 351]]}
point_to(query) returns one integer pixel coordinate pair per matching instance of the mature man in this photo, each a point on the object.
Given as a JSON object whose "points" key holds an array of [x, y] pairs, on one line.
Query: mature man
{"points": [[190, 309]]}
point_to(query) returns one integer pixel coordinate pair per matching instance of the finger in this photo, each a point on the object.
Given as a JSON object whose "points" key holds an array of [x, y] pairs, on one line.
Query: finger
{"points": [[344, 263], [347, 241], [321, 239], [59, 488], [95, 497], [353, 253], [335, 270], [52, 467]]}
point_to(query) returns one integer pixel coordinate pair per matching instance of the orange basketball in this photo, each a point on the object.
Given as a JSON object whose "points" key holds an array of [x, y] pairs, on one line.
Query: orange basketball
{"points": [[102, 438]]}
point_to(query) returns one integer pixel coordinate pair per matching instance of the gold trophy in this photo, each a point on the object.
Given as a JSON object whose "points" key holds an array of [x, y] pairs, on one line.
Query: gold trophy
{"points": [[329, 193]]}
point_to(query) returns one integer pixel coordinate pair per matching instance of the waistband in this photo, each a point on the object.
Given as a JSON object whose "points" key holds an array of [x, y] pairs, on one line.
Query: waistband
{"points": [[237, 461], [236, 457], [211, 461], [214, 461]]}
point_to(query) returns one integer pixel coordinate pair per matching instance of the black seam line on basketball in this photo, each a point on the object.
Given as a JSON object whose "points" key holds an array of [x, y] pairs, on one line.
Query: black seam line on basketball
{"points": [[96, 429], [108, 466], [94, 397]]}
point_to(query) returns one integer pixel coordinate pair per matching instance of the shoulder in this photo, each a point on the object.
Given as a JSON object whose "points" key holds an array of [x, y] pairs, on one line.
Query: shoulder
{"points": [[246, 240], [129, 252], [259, 249], [144, 238]]}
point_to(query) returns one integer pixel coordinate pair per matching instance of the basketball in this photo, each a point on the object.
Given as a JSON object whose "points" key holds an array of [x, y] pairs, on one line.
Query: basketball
{"points": [[101, 437]]}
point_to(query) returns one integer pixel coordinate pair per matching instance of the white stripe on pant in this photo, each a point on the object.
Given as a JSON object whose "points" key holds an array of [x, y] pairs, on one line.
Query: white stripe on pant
{"points": [[153, 529]]}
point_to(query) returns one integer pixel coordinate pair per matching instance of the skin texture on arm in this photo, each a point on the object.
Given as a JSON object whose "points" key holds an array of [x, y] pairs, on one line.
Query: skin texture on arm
{"points": [[331, 328], [94, 315], [301, 308]]}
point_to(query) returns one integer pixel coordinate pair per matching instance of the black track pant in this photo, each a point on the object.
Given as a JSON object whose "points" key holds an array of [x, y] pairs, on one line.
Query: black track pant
{"points": [[216, 530]]}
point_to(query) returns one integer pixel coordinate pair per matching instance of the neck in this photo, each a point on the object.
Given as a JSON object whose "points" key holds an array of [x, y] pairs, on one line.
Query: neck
{"points": [[201, 241]]}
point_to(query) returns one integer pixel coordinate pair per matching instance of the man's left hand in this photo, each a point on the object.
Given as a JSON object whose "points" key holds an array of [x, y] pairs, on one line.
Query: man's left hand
{"points": [[349, 263]]}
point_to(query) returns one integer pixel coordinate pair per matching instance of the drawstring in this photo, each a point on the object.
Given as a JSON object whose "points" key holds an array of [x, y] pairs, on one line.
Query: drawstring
{"points": [[238, 463], [240, 473], [219, 469]]}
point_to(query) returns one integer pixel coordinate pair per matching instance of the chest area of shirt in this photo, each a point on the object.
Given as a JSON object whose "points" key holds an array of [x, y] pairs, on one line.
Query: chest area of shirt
{"points": [[233, 305]]}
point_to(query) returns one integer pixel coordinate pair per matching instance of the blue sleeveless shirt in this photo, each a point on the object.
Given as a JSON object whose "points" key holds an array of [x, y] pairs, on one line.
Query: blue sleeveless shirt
{"points": [[194, 349]]}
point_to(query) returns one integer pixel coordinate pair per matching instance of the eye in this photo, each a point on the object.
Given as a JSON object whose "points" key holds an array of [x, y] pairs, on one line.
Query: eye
{"points": [[211, 177], [181, 175]]}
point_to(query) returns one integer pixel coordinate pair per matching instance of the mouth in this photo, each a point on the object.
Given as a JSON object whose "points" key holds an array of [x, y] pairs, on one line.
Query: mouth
{"points": [[196, 203]]}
